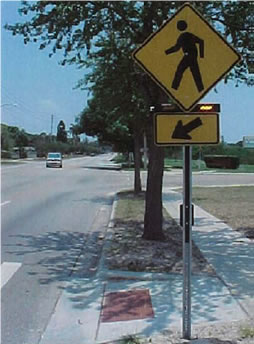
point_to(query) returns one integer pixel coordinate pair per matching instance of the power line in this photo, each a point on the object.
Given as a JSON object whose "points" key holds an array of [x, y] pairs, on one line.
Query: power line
{"points": [[22, 106]]}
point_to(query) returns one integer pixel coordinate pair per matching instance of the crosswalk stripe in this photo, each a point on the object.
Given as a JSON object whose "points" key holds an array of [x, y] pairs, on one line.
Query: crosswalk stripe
{"points": [[8, 269]]}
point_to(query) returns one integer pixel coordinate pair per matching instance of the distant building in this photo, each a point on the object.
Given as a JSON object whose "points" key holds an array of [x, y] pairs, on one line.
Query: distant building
{"points": [[248, 141], [28, 152]]}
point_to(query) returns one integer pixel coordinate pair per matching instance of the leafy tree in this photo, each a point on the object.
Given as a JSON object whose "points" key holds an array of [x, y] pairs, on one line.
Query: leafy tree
{"points": [[13, 136], [21, 142], [7, 141], [116, 113], [14, 131], [79, 28], [61, 132]]}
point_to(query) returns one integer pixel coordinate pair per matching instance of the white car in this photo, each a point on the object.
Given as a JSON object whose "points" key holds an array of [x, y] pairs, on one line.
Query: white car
{"points": [[54, 160]]}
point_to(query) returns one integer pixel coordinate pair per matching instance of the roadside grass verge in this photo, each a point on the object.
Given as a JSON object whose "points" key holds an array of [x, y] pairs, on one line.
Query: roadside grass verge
{"points": [[232, 205], [130, 207], [130, 340], [240, 169], [247, 332], [12, 162], [198, 165], [178, 163]]}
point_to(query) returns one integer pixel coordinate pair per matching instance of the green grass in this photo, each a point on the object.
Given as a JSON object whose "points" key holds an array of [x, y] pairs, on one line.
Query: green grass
{"points": [[233, 205], [174, 163], [247, 332], [200, 165], [197, 165], [240, 169], [130, 206], [11, 162], [130, 340]]}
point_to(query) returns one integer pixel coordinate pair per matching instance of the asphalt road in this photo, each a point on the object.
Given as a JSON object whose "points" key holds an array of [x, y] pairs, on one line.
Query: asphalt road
{"points": [[52, 221]]}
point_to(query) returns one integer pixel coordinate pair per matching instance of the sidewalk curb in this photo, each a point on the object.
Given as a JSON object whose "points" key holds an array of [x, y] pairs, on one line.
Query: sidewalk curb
{"points": [[166, 323], [113, 167]]}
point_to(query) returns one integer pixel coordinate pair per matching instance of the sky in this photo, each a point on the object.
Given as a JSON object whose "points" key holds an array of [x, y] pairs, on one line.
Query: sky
{"points": [[34, 87]]}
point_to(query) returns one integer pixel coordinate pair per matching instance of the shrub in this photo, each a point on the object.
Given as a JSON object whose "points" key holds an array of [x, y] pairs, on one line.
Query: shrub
{"points": [[222, 161]]}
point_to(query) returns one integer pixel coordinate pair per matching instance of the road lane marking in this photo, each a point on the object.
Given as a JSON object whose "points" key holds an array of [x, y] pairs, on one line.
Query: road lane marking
{"points": [[4, 203], [7, 271]]}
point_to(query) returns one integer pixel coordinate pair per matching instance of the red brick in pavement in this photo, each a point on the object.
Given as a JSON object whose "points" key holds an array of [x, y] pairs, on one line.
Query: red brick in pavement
{"points": [[127, 305]]}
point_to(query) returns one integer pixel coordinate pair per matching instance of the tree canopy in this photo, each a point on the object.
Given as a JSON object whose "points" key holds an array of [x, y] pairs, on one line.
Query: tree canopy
{"points": [[76, 27], [61, 132]]}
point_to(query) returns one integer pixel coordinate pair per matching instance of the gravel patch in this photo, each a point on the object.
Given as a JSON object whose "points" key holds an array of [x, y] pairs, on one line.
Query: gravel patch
{"points": [[128, 251]]}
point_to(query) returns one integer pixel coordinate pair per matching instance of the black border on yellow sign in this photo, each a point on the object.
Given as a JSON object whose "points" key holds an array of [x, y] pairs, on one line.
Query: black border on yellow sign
{"points": [[189, 143], [149, 38]]}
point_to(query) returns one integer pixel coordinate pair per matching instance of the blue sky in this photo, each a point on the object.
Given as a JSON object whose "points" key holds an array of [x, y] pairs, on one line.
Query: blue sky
{"points": [[36, 84], [34, 87]]}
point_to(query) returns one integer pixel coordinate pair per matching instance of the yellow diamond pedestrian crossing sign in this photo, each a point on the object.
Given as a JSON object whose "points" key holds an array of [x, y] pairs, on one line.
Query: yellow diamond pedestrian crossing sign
{"points": [[186, 57]]}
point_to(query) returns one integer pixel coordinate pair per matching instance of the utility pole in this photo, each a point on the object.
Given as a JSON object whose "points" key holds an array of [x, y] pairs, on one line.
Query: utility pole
{"points": [[51, 127]]}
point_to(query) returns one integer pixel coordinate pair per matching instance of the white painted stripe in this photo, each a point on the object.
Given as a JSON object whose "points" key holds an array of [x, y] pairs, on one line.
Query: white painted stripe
{"points": [[4, 203], [7, 271]]}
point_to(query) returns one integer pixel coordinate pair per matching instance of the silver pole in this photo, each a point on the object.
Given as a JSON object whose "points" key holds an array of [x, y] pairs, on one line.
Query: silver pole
{"points": [[51, 126], [187, 241]]}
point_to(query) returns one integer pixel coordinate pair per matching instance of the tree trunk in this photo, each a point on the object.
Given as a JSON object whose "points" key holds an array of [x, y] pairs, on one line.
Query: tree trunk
{"points": [[137, 159], [153, 220]]}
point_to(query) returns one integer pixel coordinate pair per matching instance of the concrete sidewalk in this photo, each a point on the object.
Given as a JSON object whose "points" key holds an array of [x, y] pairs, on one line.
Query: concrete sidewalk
{"points": [[116, 303], [231, 254]]}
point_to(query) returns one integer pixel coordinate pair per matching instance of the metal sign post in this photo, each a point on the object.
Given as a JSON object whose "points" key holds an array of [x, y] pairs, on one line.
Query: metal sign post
{"points": [[171, 127], [187, 242], [157, 56]]}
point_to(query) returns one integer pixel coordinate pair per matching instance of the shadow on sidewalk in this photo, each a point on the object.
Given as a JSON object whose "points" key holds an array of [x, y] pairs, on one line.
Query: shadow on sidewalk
{"points": [[59, 255]]}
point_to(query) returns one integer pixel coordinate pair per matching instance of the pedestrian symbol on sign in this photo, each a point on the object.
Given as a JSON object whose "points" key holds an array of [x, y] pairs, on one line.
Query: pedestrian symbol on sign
{"points": [[187, 41], [186, 57]]}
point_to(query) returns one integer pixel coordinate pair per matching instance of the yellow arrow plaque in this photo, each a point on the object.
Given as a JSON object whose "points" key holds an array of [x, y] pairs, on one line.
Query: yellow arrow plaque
{"points": [[186, 129], [186, 57]]}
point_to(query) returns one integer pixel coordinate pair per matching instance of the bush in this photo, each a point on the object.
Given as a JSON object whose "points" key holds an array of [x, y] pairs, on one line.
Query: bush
{"points": [[222, 161], [245, 155], [5, 154]]}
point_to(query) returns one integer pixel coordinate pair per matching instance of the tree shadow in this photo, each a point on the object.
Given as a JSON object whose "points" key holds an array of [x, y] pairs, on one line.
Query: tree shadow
{"points": [[73, 258], [232, 259], [211, 303], [56, 256], [248, 232]]}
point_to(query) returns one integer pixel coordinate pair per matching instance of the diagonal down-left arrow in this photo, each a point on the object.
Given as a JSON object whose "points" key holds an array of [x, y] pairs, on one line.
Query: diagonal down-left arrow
{"points": [[182, 131]]}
